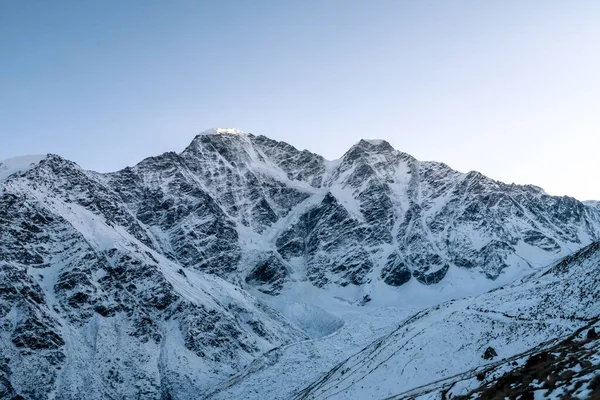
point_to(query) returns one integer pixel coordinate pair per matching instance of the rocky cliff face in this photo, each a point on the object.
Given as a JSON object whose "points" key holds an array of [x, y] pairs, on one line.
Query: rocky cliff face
{"points": [[143, 273], [90, 304], [231, 201]]}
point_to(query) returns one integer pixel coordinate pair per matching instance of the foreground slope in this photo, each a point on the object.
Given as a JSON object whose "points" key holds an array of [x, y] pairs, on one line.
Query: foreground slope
{"points": [[569, 369], [453, 338]]}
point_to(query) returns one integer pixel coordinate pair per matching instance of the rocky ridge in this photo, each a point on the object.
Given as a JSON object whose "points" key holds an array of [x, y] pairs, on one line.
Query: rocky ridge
{"points": [[145, 273]]}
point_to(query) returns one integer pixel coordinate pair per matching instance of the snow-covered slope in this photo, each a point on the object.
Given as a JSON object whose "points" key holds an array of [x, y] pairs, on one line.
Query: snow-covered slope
{"points": [[18, 164], [190, 273], [449, 342], [569, 368], [88, 305]]}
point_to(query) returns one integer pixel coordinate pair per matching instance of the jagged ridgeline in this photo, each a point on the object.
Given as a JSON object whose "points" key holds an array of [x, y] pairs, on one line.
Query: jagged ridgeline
{"points": [[256, 208], [143, 273]]}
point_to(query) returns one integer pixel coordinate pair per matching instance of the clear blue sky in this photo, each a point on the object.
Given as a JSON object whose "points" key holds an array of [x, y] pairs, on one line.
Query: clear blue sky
{"points": [[509, 88]]}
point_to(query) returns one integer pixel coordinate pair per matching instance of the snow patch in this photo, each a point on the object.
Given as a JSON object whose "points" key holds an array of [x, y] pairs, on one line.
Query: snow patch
{"points": [[222, 131], [315, 321], [13, 165]]}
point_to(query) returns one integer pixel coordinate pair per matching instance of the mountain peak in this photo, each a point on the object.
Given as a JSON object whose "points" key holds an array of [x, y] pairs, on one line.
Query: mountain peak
{"points": [[222, 131], [375, 144], [366, 147]]}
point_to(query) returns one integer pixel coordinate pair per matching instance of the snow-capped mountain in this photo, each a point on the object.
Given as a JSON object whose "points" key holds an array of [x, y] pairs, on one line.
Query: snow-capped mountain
{"points": [[171, 278], [234, 202]]}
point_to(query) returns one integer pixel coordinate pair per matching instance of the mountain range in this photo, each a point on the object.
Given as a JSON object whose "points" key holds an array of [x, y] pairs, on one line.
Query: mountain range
{"points": [[243, 261]]}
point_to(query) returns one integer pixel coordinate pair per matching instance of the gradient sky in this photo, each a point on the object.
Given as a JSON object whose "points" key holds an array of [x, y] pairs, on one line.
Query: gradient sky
{"points": [[508, 88]]}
